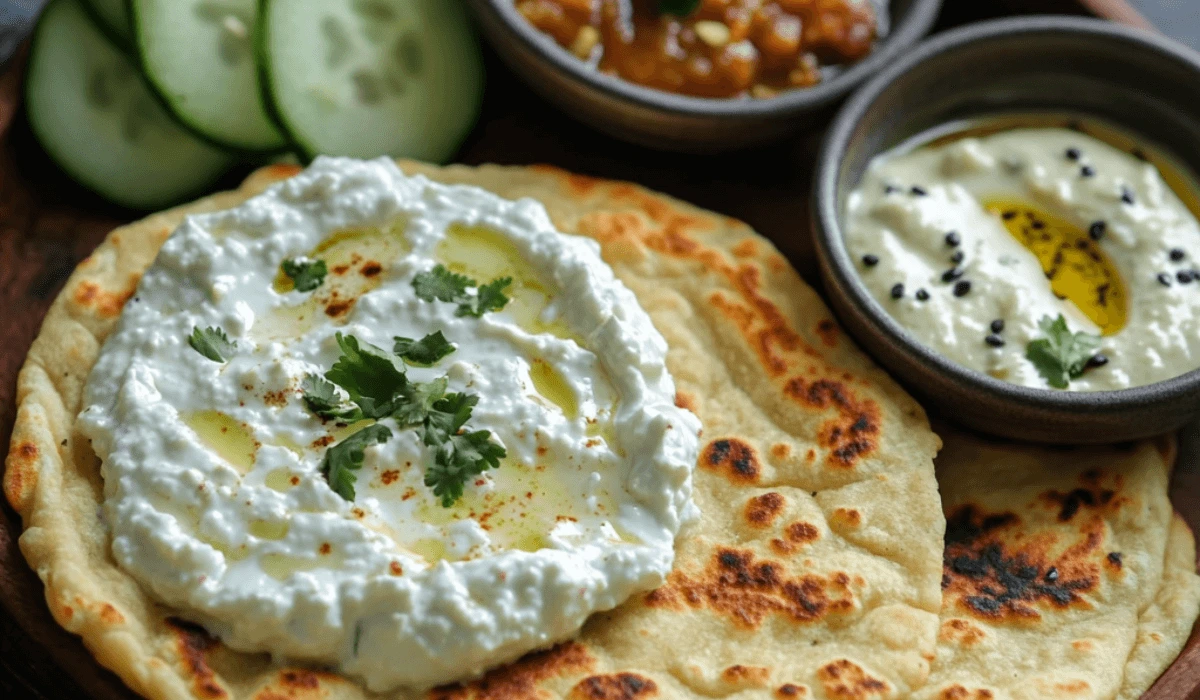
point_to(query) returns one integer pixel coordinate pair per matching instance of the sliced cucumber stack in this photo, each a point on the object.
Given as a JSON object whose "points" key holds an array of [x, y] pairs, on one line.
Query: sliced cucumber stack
{"points": [[366, 78], [113, 18], [95, 116], [198, 55]]}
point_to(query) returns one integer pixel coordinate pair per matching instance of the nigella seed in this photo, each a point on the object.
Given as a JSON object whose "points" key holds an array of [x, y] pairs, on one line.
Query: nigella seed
{"points": [[952, 274], [1087, 171], [1097, 229], [870, 260], [1177, 254], [922, 295], [897, 291], [994, 340], [1127, 195], [1164, 279], [1098, 360], [918, 191], [957, 257], [953, 239], [1073, 154], [1009, 215], [998, 325], [962, 288], [1184, 276]]}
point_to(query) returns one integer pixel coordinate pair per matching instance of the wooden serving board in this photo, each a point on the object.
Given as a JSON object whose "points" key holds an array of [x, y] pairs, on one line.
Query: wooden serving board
{"points": [[48, 224]]}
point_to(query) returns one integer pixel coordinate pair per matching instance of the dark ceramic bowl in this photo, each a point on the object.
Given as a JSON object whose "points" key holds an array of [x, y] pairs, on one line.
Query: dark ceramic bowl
{"points": [[667, 121], [1141, 82]]}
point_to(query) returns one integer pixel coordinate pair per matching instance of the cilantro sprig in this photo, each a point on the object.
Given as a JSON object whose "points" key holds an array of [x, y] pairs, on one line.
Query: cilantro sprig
{"points": [[1062, 355], [343, 460], [367, 382], [212, 343], [306, 274], [441, 284]]}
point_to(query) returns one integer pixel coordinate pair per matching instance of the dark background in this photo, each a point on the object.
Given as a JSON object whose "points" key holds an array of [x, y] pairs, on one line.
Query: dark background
{"points": [[516, 127]]}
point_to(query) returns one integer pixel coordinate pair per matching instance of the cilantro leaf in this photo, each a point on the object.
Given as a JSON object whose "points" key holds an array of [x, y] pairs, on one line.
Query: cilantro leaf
{"points": [[489, 298], [441, 284], [305, 274], [679, 8], [424, 352], [372, 376], [419, 401], [1062, 355], [323, 399], [459, 459], [448, 416], [212, 343], [345, 458]]}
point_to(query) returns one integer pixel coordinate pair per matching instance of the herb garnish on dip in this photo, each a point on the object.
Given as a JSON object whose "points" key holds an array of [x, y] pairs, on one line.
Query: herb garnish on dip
{"points": [[1041, 256]]}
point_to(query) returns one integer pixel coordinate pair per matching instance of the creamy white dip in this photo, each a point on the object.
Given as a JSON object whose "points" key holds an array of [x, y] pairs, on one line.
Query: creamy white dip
{"points": [[917, 210], [212, 488]]}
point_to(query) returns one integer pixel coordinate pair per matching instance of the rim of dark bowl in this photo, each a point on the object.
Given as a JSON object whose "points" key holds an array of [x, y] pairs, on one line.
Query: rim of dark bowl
{"points": [[830, 241], [901, 36]]}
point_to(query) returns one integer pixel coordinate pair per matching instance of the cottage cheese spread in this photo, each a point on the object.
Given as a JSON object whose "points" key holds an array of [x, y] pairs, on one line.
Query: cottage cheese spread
{"points": [[971, 243], [212, 488]]}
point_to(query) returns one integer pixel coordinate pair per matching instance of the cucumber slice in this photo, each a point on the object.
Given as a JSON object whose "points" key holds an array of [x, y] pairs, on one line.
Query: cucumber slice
{"points": [[367, 78], [113, 17], [92, 113], [198, 55]]}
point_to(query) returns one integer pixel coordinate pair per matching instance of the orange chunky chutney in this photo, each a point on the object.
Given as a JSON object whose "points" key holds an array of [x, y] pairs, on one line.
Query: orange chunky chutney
{"points": [[722, 48]]}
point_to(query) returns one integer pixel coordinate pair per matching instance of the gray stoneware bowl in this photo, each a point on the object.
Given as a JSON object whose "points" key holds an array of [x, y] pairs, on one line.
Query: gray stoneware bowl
{"points": [[1136, 80], [667, 121]]}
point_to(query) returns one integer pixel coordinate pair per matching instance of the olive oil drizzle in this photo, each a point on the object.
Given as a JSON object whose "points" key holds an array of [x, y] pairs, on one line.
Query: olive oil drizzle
{"points": [[1078, 269]]}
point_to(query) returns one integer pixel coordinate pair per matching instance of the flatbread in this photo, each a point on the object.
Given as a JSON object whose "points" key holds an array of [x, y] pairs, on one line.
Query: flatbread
{"points": [[1067, 574], [813, 572]]}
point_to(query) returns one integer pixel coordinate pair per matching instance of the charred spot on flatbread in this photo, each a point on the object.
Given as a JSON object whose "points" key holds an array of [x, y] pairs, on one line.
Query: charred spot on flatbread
{"points": [[854, 433], [748, 590], [988, 576], [762, 511], [733, 458], [194, 643], [520, 680], [614, 686], [791, 690], [845, 680]]}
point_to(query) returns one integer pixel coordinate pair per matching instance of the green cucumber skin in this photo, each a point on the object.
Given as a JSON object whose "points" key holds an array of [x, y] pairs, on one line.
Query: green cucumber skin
{"points": [[119, 38], [83, 179], [259, 47], [160, 94], [307, 152]]}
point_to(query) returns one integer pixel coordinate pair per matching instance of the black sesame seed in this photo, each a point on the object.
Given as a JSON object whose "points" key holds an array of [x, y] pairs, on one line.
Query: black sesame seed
{"points": [[1127, 195], [1073, 154], [918, 191], [957, 257], [1038, 225], [1177, 254], [922, 295], [1087, 171], [870, 260], [1009, 215], [952, 274], [953, 239], [897, 290], [998, 325], [1098, 360], [1184, 276], [962, 288], [994, 340], [1164, 279], [1097, 229]]}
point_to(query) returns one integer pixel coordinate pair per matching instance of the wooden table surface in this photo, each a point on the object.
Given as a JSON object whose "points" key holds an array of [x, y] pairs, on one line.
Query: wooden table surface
{"points": [[48, 224]]}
